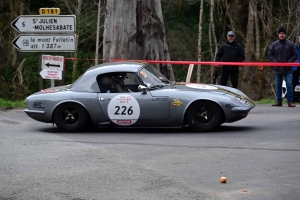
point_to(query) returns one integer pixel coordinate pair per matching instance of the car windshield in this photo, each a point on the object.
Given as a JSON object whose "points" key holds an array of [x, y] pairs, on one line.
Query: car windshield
{"points": [[75, 82], [152, 77]]}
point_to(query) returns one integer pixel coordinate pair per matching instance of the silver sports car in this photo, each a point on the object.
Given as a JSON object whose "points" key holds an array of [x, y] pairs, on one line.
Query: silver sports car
{"points": [[136, 94]]}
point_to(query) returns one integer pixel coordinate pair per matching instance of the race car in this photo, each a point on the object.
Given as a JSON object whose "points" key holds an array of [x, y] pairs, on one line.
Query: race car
{"points": [[136, 94]]}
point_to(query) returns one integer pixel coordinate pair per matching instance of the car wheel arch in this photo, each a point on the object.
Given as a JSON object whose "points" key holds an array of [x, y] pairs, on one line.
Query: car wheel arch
{"points": [[66, 102], [199, 101], [84, 109]]}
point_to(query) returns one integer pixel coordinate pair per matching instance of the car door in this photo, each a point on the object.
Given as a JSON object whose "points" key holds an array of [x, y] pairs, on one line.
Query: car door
{"points": [[126, 108]]}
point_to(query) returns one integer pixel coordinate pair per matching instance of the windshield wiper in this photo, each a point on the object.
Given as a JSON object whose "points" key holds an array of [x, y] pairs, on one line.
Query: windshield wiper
{"points": [[173, 84], [165, 81], [157, 86]]}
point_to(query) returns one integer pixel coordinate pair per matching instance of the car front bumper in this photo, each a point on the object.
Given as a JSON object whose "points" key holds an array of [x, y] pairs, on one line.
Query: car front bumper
{"points": [[38, 115]]}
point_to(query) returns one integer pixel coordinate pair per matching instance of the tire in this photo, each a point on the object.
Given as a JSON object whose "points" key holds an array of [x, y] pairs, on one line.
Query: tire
{"points": [[204, 116], [70, 117]]}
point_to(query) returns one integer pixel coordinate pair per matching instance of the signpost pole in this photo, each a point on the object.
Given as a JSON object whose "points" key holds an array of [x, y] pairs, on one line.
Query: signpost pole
{"points": [[41, 80]]}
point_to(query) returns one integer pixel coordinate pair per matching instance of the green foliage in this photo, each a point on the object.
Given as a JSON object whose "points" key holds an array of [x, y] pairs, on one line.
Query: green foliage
{"points": [[182, 29], [4, 104]]}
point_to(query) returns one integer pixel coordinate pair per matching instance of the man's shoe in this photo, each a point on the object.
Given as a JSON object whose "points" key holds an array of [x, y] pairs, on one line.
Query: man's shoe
{"points": [[291, 104], [277, 104]]}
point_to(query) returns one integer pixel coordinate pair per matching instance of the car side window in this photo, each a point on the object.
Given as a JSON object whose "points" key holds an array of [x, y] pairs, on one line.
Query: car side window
{"points": [[118, 82]]}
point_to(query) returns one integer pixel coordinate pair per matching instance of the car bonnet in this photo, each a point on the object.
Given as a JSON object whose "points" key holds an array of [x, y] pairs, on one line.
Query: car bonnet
{"points": [[216, 88]]}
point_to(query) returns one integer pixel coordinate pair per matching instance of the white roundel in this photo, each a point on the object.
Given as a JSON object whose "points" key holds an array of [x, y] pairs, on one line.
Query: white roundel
{"points": [[202, 86], [123, 110]]}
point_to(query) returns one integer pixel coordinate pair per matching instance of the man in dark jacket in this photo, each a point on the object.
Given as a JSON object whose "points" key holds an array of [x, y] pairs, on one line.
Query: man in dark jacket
{"points": [[230, 51], [283, 50]]}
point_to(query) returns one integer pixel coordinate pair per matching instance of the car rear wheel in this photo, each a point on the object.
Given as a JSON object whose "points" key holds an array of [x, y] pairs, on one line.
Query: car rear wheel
{"points": [[70, 117], [204, 116]]}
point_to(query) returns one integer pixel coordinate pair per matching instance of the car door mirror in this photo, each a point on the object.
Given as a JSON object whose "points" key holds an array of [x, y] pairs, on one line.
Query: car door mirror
{"points": [[142, 89]]}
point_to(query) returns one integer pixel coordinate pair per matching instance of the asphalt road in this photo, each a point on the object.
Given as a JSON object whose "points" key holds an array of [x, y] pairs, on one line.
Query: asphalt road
{"points": [[260, 156]]}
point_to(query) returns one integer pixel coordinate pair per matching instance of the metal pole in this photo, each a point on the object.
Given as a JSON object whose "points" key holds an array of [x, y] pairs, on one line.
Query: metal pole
{"points": [[41, 81]]}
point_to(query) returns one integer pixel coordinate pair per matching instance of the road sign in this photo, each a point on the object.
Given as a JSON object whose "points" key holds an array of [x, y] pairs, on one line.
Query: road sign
{"points": [[51, 74], [53, 62], [49, 11], [45, 24], [45, 43]]}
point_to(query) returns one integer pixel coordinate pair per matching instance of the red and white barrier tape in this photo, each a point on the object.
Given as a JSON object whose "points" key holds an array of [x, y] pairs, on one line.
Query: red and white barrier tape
{"points": [[257, 64]]}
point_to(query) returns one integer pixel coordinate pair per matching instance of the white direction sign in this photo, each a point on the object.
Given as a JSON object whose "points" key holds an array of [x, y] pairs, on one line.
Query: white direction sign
{"points": [[53, 62], [45, 24], [45, 43], [51, 74]]}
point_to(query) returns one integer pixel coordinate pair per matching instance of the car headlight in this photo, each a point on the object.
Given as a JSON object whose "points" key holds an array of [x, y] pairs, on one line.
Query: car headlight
{"points": [[238, 101]]}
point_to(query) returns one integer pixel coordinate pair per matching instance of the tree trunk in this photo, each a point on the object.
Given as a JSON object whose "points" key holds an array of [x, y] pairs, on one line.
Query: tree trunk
{"points": [[257, 32], [78, 15], [249, 41], [97, 34], [260, 78], [134, 29], [232, 11], [213, 46], [16, 8], [200, 41], [270, 18]]}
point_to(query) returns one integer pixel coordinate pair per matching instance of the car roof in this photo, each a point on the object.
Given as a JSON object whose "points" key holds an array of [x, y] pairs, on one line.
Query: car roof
{"points": [[120, 66], [87, 82]]}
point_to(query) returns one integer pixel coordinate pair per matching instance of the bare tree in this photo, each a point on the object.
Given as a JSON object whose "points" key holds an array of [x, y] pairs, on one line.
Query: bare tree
{"points": [[212, 37], [249, 40], [98, 32], [265, 16], [200, 41], [232, 10], [16, 8], [86, 16], [135, 30], [75, 7], [257, 30]]}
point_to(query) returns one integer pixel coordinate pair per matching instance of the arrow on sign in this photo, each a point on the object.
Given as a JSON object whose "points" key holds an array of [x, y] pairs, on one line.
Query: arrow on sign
{"points": [[52, 65], [14, 43], [53, 62], [13, 24]]}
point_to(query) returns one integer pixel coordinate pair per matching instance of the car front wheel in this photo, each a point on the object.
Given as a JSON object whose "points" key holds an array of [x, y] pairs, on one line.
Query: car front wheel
{"points": [[70, 117], [204, 116]]}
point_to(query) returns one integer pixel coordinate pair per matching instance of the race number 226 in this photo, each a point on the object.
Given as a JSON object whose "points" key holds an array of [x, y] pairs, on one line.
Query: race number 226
{"points": [[123, 110]]}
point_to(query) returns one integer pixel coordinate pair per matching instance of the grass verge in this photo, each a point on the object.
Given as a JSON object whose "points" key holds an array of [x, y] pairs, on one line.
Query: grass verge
{"points": [[7, 105], [271, 101]]}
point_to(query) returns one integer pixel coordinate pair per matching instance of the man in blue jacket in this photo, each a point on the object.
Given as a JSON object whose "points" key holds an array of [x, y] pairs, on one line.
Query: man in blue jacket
{"points": [[283, 50], [296, 69]]}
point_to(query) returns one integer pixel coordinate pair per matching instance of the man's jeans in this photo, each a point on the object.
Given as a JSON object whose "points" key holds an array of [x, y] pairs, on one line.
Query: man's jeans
{"points": [[289, 87]]}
